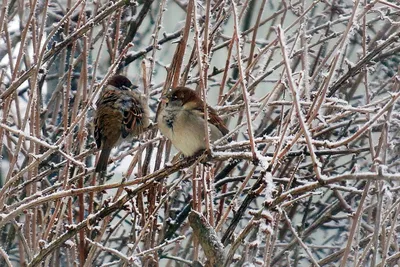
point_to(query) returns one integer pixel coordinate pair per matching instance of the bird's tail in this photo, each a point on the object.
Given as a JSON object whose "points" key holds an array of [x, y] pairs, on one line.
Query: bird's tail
{"points": [[103, 160]]}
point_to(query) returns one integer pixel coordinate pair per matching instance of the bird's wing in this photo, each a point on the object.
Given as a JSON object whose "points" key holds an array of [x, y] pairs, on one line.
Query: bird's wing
{"points": [[217, 121], [133, 113], [212, 118]]}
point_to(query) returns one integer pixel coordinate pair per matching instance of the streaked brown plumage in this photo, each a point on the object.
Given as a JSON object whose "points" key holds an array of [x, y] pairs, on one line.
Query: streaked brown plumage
{"points": [[181, 119], [121, 113]]}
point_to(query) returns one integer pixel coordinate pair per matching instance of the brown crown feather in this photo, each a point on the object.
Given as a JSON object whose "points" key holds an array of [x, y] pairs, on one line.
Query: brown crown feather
{"points": [[119, 81], [187, 95]]}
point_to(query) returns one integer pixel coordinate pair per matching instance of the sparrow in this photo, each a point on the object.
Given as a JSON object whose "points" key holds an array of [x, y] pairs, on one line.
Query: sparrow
{"points": [[181, 119], [122, 113]]}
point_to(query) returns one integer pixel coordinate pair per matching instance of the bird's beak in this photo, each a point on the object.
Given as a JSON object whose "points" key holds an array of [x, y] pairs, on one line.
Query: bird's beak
{"points": [[164, 99]]}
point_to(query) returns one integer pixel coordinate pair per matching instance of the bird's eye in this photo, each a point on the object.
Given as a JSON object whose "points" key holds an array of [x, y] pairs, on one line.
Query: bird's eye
{"points": [[174, 97]]}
